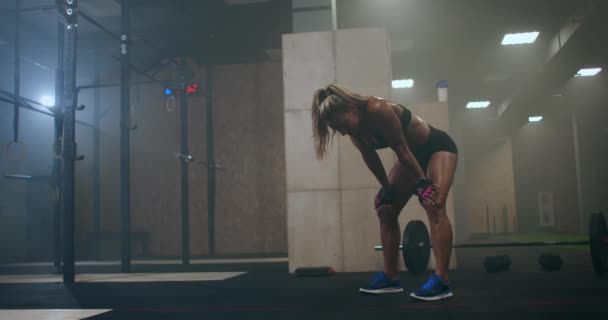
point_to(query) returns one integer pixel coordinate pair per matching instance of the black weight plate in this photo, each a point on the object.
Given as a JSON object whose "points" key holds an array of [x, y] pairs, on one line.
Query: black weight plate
{"points": [[497, 263], [416, 246], [550, 261], [598, 238]]}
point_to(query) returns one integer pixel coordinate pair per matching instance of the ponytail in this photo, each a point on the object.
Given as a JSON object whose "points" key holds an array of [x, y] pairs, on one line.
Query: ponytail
{"points": [[320, 129], [328, 100]]}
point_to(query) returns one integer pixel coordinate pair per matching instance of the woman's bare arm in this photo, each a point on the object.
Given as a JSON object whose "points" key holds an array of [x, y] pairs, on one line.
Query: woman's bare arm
{"points": [[385, 121], [373, 162]]}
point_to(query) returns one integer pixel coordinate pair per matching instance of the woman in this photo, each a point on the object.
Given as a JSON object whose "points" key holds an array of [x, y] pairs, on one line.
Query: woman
{"points": [[427, 159]]}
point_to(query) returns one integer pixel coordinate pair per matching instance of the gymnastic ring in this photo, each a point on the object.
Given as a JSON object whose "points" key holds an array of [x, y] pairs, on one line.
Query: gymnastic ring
{"points": [[170, 103], [19, 156]]}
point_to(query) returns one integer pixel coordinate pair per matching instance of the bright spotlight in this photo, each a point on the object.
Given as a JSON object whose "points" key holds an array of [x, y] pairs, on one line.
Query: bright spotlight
{"points": [[47, 101]]}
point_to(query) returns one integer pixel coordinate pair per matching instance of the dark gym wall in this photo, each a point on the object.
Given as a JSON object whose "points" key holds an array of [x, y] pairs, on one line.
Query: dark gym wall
{"points": [[154, 173], [543, 160], [249, 131], [249, 147], [109, 105], [544, 157], [489, 188], [590, 98]]}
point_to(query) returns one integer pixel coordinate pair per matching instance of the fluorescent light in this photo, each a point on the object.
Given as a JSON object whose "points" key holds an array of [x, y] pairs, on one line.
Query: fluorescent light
{"points": [[47, 101], [403, 83], [240, 2], [478, 104], [589, 72], [519, 38], [535, 119]]}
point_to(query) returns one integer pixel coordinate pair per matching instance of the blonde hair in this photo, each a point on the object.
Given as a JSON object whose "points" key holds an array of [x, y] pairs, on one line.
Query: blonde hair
{"points": [[329, 101]]}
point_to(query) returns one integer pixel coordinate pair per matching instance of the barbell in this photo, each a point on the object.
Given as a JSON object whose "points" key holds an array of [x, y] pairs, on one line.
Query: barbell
{"points": [[416, 245]]}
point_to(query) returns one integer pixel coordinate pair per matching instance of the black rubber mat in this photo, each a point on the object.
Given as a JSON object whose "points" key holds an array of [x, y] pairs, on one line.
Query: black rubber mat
{"points": [[268, 291]]}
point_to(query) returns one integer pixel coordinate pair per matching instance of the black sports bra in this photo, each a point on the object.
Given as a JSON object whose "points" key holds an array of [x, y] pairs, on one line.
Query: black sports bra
{"points": [[406, 118]]}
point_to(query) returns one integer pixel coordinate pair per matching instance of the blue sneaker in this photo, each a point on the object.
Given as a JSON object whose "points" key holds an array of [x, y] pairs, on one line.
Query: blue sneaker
{"points": [[382, 284], [434, 289]]}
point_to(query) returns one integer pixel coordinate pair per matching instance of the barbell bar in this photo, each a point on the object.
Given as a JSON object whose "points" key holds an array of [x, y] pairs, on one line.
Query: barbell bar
{"points": [[509, 244], [416, 245]]}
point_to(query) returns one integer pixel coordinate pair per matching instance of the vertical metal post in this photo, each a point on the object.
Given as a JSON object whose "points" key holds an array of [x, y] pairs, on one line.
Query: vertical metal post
{"points": [[56, 181], [582, 225], [17, 71], [488, 219], [69, 152], [125, 170], [96, 165], [505, 218], [30, 253], [184, 169], [210, 160], [334, 15]]}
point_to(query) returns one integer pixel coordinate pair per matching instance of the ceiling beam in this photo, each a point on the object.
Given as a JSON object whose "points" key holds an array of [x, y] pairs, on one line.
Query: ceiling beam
{"points": [[574, 43]]}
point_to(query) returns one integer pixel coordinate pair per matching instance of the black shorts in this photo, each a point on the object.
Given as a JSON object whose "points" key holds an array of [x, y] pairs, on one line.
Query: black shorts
{"points": [[439, 140]]}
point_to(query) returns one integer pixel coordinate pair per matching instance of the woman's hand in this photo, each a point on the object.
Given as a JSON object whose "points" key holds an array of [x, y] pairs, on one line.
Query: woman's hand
{"points": [[432, 200], [428, 193]]}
